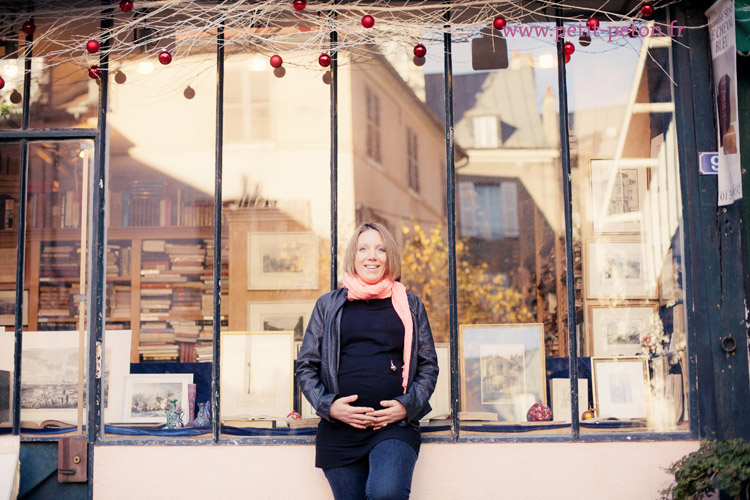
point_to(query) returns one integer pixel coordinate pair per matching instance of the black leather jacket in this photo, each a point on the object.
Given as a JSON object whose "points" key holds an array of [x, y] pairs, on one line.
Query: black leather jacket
{"points": [[318, 360]]}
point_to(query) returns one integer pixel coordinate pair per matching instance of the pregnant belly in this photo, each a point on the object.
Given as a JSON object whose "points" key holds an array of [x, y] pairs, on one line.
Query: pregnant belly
{"points": [[370, 385]]}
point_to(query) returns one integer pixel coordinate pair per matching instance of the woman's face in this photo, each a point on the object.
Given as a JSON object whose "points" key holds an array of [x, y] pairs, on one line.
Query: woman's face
{"points": [[371, 258]]}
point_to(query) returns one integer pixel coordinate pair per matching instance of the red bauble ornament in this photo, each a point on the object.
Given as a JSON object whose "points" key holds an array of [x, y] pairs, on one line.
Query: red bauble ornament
{"points": [[165, 57], [539, 413], [16, 97], [647, 10], [420, 50], [189, 92], [584, 40], [276, 61], [299, 4], [324, 60], [569, 48], [126, 6], [368, 21], [567, 58], [499, 23], [2, 83], [92, 46], [120, 77], [29, 27], [592, 23], [418, 61], [95, 72]]}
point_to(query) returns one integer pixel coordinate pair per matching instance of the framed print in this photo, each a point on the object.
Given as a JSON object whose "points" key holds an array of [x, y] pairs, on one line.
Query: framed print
{"points": [[49, 383], [8, 307], [560, 389], [282, 261], [619, 269], [502, 369], [441, 398], [618, 189], [617, 331], [279, 317], [621, 386], [147, 396], [257, 374]]}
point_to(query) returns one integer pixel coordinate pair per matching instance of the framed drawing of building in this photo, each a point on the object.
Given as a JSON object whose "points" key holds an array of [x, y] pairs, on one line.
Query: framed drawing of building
{"points": [[502, 369], [619, 269], [618, 189], [279, 317], [621, 386], [281, 261], [617, 331]]}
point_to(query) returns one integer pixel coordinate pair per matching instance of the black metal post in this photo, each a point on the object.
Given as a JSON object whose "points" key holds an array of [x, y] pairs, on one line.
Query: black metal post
{"points": [[21, 240], [568, 210], [450, 202], [216, 372], [334, 73]]}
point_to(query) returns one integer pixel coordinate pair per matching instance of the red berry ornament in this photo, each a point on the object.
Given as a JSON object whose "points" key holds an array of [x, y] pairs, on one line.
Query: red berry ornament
{"points": [[2, 83], [29, 27], [368, 21], [420, 50], [92, 47], [569, 48], [324, 60], [499, 23], [539, 413], [299, 4], [592, 23], [126, 6], [276, 61], [647, 10], [95, 72], [165, 57]]}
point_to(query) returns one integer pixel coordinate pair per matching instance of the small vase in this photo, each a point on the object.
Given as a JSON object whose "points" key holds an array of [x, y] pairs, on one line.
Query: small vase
{"points": [[203, 416], [174, 415]]}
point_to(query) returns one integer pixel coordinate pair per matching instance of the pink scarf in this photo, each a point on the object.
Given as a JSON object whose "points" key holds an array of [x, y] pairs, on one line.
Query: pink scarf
{"points": [[359, 290]]}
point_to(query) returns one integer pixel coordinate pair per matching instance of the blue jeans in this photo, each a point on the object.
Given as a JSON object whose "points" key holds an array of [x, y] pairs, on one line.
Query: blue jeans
{"points": [[384, 474]]}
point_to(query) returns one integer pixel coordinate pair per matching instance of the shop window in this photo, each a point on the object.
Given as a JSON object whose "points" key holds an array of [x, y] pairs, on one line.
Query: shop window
{"points": [[247, 106], [412, 150], [485, 131], [372, 121]]}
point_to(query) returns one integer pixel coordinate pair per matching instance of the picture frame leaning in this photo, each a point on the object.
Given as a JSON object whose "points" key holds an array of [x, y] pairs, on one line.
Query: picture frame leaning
{"points": [[147, 396], [502, 368], [282, 261], [621, 386]]}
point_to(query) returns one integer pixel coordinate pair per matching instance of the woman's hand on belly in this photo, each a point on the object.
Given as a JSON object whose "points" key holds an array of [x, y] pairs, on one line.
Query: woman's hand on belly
{"points": [[392, 411], [356, 416]]}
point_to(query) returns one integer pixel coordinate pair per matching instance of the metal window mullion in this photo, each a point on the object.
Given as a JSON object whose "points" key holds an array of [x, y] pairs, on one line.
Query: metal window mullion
{"points": [[215, 371], [334, 73], [568, 211], [450, 202], [21, 240]]}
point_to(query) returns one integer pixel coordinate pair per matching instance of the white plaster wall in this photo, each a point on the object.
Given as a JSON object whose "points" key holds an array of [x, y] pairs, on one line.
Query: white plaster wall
{"points": [[530, 471]]}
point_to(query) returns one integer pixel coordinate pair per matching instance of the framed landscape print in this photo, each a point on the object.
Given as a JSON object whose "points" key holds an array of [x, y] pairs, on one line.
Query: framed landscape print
{"points": [[617, 331], [619, 269], [618, 189], [282, 261], [257, 374], [502, 369], [279, 317], [621, 386], [49, 381], [148, 396]]}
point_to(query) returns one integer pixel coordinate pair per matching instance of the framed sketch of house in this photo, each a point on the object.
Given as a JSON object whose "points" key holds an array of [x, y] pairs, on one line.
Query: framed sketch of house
{"points": [[257, 374], [279, 317], [617, 331], [280, 261], [618, 189], [49, 383], [502, 369], [619, 269], [148, 396]]}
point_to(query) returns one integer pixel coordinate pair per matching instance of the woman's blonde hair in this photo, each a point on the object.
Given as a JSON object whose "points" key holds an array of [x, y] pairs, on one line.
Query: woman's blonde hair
{"points": [[393, 261]]}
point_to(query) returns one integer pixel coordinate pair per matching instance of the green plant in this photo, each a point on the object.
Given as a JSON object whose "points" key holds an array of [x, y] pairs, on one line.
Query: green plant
{"points": [[723, 465]]}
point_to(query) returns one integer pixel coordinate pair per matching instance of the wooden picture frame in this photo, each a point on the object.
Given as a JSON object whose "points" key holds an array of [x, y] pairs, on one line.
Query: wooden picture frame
{"points": [[257, 374], [280, 317], [619, 269], [502, 369], [282, 261], [51, 357], [147, 396], [621, 386], [8, 307], [560, 396], [440, 401], [626, 182], [618, 331]]}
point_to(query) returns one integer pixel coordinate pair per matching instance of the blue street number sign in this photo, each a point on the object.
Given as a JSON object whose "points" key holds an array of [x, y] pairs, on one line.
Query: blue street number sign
{"points": [[709, 163]]}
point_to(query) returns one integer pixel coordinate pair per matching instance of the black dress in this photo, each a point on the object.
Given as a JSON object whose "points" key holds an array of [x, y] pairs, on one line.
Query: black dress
{"points": [[372, 336]]}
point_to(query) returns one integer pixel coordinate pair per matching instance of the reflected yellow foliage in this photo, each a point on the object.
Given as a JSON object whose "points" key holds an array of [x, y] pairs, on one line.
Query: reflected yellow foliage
{"points": [[482, 296]]}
